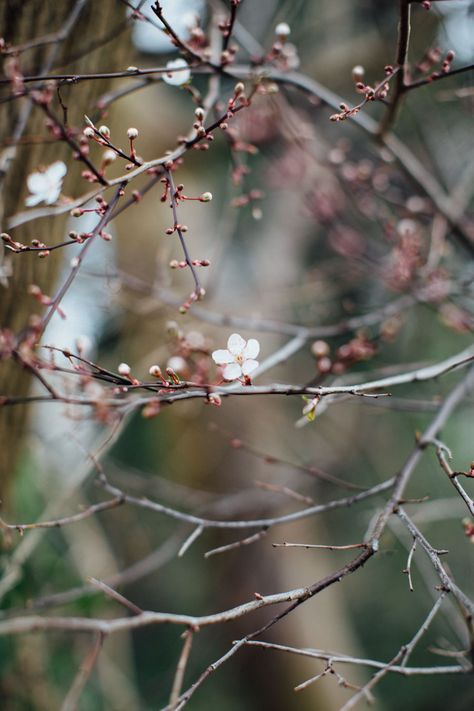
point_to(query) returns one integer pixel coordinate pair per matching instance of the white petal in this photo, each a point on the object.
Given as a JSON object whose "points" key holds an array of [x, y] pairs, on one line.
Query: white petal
{"points": [[249, 366], [236, 344], [222, 357], [36, 182], [52, 194], [252, 348], [232, 371], [56, 171], [33, 200], [176, 78]]}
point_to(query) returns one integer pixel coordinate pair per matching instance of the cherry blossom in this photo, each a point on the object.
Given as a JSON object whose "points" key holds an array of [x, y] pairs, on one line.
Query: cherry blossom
{"points": [[45, 185], [180, 77], [238, 358]]}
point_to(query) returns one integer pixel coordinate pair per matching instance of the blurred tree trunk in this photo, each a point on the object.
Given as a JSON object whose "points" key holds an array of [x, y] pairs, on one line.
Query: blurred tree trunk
{"points": [[95, 40]]}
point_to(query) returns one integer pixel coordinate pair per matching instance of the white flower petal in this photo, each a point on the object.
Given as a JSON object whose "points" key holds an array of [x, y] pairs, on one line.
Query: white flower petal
{"points": [[52, 194], [45, 186], [222, 357], [236, 344], [33, 200], [36, 182], [232, 371], [177, 78], [56, 171], [252, 348], [249, 366]]}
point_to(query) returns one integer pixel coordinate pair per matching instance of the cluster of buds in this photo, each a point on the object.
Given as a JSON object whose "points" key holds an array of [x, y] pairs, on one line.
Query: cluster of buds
{"points": [[379, 92], [35, 291], [252, 196], [175, 368], [11, 244], [447, 61], [101, 136], [182, 264], [79, 237], [372, 93], [357, 349], [192, 298], [283, 53], [434, 57], [43, 249], [344, 113]]}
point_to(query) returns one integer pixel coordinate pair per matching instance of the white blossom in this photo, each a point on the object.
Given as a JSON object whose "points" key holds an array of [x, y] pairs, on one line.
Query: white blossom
{"points": [[45, 185], [238, 358], [177, 78]]}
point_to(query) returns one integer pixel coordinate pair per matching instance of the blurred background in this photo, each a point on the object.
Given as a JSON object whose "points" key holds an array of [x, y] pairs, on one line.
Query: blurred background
{"points": [[334, 230]]}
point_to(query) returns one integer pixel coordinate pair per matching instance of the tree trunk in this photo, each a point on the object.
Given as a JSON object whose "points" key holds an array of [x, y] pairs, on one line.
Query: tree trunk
{"points": [[96, 39]]}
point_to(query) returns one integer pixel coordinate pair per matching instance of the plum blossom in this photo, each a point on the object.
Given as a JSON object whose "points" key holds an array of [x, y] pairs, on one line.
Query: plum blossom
{"points": [[177, 78], [45, 185], [239, 358]]}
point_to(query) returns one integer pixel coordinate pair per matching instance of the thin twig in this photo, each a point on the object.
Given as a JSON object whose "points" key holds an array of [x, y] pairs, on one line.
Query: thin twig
{"points": [[71, 701], [114, 595], [181, 668], [237, 544]]}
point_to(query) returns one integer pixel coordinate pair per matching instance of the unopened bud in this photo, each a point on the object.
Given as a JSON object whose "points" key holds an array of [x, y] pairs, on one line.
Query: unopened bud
{"points": [[320, 349], [104, 131], [205, 197], [282, 30], [358, 72], [124, 369], [132, 133], [89, 132], [109, 156]]}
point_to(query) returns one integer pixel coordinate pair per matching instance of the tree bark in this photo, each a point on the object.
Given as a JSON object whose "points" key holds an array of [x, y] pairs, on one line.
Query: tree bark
{"points": [[97, 39]]}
